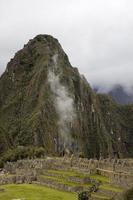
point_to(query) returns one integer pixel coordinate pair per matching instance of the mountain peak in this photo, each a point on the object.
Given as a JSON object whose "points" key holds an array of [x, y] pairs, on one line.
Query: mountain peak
{"points": [[41, 48], [47, 37], [45, 102]]}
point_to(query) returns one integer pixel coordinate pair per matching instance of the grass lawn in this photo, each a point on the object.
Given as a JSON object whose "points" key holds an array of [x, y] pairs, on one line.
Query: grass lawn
{"points": [[33, 192]]}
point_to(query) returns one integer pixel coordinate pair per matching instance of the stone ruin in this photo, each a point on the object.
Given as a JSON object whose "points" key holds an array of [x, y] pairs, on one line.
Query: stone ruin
{"points": [[119, 171]]}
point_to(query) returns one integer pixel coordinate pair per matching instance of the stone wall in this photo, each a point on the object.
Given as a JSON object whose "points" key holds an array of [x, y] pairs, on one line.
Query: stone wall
{"points": [[119, 171], [16, 179], [123, 179]]}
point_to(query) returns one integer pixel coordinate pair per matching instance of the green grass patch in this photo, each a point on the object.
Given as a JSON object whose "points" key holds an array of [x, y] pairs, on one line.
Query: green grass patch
{"points": [[110, 187], [34, 192], [67, 173], [101, 196], [60, 180], [65, 181], [101, 178]]}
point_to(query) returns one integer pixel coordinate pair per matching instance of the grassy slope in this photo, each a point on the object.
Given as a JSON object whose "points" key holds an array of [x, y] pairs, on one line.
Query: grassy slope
{"points": [[68, 173], [34, 192], [104, 179], [65, 181], [110, 187]]}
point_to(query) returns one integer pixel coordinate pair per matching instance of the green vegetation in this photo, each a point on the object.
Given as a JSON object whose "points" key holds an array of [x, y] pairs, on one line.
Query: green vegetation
{"points": [[111, 187], [22, 152], [65, 181], [69, 173], [101, 178], [99, 196], [62, 177], [34, 192]]}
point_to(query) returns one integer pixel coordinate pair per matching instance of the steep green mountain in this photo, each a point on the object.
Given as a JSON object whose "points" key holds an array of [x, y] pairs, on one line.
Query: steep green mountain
{"points": [[45, 102]]}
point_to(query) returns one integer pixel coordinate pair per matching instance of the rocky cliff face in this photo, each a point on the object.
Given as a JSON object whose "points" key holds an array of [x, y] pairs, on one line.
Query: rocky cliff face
{"points": [[45, 102]]}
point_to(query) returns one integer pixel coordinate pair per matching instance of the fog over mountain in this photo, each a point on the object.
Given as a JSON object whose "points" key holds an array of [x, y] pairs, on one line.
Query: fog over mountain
{"points": [[96, 35], [120, 94]]}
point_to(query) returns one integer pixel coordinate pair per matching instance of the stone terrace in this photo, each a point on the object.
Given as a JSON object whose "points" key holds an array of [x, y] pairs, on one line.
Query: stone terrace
{"points": [[105, 179]]}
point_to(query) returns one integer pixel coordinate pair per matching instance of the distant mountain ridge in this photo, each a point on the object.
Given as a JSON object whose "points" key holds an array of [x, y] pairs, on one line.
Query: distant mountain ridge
{"points": [[119, 94]]}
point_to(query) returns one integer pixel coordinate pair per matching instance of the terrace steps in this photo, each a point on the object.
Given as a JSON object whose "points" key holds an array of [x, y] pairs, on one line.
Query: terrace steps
{"points": [[73, 181]]}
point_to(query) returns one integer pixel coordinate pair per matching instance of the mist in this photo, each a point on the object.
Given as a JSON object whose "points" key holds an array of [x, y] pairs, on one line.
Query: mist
{"points": [[63, 103]]}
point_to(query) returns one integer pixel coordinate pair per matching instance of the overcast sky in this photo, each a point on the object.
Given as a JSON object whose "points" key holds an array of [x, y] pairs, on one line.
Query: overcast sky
{"points": [[97, 35]]}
